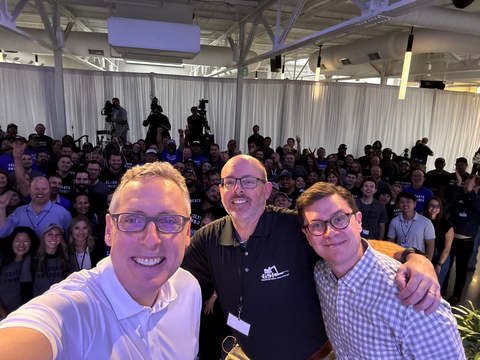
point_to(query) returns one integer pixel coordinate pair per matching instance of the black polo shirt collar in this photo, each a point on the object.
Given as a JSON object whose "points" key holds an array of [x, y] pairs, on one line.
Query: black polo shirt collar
{"points": [[228, 235]]}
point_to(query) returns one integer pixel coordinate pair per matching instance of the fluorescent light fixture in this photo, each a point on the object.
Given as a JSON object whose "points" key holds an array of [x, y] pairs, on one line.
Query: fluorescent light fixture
{"points": [[317, 70], [153, 64], [406, 67]]}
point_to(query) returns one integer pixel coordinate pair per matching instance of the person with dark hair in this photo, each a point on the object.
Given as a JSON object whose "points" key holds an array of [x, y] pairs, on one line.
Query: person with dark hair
{"points": [[332, 177], [5, 146], [403, 178], [202, 174], [55, 181], [310, 164], [421, 192], [45, 140], [349, 159], [321, 159], [210, 204], [313, 177], [50, 265], [410, 229], [84, 250], [42, 161], [389, 167], [341, 155], [350, 180], [256, 137], [374, 215], [215, 159], [444, 233], [265, 147], [112, 176], [385, 197], [196, 124], [214, 176], [301, 183], [365, 160], [16, 200], [352, 278], [422, 151], [21, 242], [377, 148], [465, 217], [81, 206], [6, 182]]}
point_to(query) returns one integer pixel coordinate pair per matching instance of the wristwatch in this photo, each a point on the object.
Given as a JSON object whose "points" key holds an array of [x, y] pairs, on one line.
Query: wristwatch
{"points": [[408, 251]]}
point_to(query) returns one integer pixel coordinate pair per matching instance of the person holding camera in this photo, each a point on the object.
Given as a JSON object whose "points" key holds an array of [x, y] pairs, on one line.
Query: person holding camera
{"points": [[195, 123], [119, 119]]}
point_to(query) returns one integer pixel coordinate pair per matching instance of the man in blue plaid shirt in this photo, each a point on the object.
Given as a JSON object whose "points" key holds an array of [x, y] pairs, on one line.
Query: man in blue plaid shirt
{"points": [[356, 287]]}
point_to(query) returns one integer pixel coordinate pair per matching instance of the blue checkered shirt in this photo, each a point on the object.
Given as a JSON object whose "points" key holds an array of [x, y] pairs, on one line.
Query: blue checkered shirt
{"points": [[365, 320]]}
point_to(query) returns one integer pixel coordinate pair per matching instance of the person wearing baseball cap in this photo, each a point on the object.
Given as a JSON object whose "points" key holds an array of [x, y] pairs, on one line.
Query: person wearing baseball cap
{"points": [[403, 178], [12, 131], [341, 155], [170, 153], [287, 186], [151, 156], [280, 199], [461, 165]]}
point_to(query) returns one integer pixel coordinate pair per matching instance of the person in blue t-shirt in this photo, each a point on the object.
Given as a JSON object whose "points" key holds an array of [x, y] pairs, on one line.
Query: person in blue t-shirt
{"points": [[171, 154], [420, 191]]}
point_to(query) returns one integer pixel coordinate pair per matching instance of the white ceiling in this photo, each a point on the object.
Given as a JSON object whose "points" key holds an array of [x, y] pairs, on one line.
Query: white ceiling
{"points": [[218, 18]]}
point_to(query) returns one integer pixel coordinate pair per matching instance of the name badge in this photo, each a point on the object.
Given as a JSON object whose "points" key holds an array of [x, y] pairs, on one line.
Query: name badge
{"points": [[366, 232], [463, 214], [237, 324]]}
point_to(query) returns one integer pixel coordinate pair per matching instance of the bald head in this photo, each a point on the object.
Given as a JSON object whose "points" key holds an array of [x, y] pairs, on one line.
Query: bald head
{"points": [[245, 161], [417, 179]]}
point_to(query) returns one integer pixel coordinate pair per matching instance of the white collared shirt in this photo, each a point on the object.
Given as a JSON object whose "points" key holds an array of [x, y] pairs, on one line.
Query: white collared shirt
{"points": [[91, 316]]}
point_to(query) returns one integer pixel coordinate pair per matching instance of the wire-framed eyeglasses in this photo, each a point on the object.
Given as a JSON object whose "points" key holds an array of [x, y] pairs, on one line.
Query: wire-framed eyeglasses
{"points": [[134, 222], [339, 222]]}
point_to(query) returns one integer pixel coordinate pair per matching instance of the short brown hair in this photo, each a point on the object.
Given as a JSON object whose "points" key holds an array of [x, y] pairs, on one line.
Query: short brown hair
{"points": [[319, 191]]}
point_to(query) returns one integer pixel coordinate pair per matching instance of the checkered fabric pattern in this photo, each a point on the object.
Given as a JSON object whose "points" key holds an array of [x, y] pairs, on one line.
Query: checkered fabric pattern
{"points": [[365, 320]]}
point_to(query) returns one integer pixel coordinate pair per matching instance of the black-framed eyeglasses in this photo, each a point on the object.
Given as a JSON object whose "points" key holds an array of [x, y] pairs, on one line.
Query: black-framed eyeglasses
{"points": [[246, 182], [134, 222], [339, 222]]}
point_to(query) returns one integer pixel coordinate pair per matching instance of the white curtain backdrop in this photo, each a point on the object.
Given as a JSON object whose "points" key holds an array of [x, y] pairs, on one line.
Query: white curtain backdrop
{"points": [[322, 114]]}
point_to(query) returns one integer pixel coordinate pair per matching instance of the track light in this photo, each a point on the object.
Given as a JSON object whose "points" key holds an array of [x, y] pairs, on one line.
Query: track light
{"points": [[256, 75], [36, 60], [406, 67], [317, 70]]}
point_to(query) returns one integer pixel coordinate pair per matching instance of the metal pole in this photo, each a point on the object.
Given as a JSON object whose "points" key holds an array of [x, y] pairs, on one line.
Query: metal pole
{"points": [[238, 105], [60, 128]]}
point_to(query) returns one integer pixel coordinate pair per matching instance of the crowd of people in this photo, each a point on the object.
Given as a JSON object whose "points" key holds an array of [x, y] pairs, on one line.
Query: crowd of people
{"points": [[55, 195]]}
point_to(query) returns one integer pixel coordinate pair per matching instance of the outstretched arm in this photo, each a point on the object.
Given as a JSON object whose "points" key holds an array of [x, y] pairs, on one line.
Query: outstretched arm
{"points": [[416, 279], [24, 343]]}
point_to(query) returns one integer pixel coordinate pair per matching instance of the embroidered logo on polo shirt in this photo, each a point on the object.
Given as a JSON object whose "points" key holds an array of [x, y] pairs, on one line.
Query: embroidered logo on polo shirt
{"points": [[271, 273]]}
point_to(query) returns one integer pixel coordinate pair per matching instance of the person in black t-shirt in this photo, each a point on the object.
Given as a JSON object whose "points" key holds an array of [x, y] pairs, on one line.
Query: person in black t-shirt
{"points": [[196, 124], [256, 137]]}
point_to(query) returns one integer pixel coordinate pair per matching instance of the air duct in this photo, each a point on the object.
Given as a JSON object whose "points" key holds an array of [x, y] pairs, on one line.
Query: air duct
{"points": [[392, 46]]}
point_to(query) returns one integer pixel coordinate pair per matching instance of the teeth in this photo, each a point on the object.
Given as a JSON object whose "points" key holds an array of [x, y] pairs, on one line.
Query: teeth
{"points": [[148, 262], [239, 202]]}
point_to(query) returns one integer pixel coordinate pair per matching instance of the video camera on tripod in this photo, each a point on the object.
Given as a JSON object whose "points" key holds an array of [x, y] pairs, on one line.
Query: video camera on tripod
{"points": [[107, 111], [203, 112]]}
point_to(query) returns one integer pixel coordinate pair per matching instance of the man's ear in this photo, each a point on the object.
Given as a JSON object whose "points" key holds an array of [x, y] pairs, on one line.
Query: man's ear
{"points": [[108, 230], [358, 217]]}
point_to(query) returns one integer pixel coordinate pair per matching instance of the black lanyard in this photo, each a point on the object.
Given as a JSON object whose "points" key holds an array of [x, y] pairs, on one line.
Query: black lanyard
{"points": [[242, 287], [80, 267], [410, 228], [46, 213]]}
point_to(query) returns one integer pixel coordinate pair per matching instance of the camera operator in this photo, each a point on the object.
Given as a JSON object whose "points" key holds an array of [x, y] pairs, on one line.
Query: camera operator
{"points": [[119, 118], [196, 123], [155, 120]]}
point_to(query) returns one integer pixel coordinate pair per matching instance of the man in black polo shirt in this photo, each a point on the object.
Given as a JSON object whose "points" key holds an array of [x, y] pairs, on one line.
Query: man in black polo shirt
{"points": [[261, 266], [403, 178]]}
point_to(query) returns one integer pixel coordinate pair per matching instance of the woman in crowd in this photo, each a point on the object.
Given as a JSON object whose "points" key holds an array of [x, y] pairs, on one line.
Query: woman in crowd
{"points": [[356, 167], [311, 164], [395, 190], [333, 178], [313, 177], [202, 176], [50, 264], [5, 182], [137, 154], [443, 236], [16, 200], [81, 206], [333, 165], [19, 244], [143, 146], [300, 183], [207, 218], [349, 159], [84, 252], [56, 150]]}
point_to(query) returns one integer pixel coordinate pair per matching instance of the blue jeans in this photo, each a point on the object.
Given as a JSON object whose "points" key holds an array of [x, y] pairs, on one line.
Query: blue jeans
{"points": [[445, 266]]}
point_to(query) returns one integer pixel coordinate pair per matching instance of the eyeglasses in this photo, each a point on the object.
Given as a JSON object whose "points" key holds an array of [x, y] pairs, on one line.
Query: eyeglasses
{"points": [[434, 206], [339, 222], [133, 222], [246, 182]]}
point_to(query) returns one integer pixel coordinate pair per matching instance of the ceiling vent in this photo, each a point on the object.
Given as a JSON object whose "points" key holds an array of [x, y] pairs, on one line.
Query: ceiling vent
{"points": [[374, 56], [346, 61]]}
